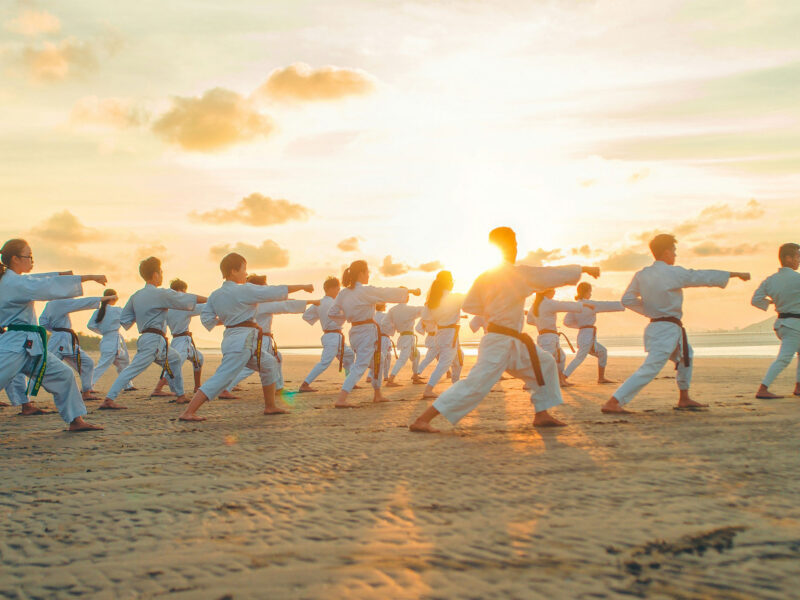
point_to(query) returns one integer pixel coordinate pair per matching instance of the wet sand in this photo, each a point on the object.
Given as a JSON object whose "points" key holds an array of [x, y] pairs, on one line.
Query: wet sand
{"points": [[328, 503]]}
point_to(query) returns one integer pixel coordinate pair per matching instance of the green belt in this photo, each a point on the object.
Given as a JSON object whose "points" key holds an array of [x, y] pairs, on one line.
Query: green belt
{"points": [[35, 382]]}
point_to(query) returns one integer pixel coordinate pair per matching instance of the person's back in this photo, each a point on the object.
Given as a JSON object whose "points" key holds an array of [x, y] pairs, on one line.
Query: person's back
{"points": [[783, 287], [148, 307]]}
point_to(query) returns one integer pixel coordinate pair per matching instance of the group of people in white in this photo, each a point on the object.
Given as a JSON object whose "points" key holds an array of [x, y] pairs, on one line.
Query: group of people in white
{"points": [[245, 305]]}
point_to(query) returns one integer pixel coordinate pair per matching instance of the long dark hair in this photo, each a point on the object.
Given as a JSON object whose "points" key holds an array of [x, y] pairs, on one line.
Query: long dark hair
{"points": [[443, 283], [352, 273], [101, 312], [9, 250], [540, 296]]}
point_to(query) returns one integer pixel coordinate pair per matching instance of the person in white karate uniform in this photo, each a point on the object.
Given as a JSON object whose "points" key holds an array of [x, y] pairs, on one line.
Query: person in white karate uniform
{"points": [[442, 312], [543, 314], [113, 349], [178, 322], [499, 295], [235, 305], [401, 318], [782, 290], [656, 292], [356, 304], [148, 308], [23, 343], [332, 340], [17, 392], [64, 340], [264, 314], [430, 347], [584, 321], [387, 343]]}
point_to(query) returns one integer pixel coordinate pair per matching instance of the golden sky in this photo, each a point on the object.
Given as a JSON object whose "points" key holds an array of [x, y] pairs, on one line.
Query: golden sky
{"points": [[309, 134]]}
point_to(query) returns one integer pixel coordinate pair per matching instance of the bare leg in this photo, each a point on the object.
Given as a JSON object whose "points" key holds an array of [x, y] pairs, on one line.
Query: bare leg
{"points": [[563, 381], [158, 391], [614, 407], [545, 419], [78, 424], [197, 375], [796, 391], [685, 402], [417, 379], [305, 387], [391, 382], [423, 422], [270, 408], [378, 397], [109, 404], [341, 401], [429, 393], [88, 395], [29, 409], [189, 414], [764, 393], [601, 376]]}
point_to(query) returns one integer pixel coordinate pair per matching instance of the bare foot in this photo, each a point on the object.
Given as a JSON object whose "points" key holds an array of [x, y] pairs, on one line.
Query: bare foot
{"points": [[392, 384], [358, 387], [111, 405], [226, 395], [275, 411], [4, 404], [345, 405], [29, 410], [687, 403], [767, 395], [89, 396], [422, 427], [181, 400], [545, 419], [565, 384], [613, 407], [369, 379], [195, 418], [380, 398], [159, 393], [304, 387], [417, 380], [604, 380], [78, 424], [430, 395], [130, 389]]}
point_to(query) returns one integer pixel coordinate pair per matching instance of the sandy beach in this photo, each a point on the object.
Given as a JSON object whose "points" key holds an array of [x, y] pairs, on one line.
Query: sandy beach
{"points": [[328, 503]]}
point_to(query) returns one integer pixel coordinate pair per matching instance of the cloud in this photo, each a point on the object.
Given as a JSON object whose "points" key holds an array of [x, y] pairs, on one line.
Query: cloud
{"points": [[65, 228], [430, 267], [268, 255], [32, 22], [639, 175], [625, 260], [118, 113], [349, 244], [256, 210], [709, 248], [57, 61], [536, 258], [724, 212], [302, 82], [155, 249], [584, 250], [391, 269], [218, 119]]}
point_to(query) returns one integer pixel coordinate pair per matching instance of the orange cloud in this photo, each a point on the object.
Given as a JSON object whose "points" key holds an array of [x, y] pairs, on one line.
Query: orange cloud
{"points": [[392, 269], [66, 229], [118, 113], [57, 61], [218, 119], [32, 22], [708, 216], [349, 244], [256, 210], [625, 260], [709, 248], [536, 258], [430, 267], [302, 82], [268, 255]]}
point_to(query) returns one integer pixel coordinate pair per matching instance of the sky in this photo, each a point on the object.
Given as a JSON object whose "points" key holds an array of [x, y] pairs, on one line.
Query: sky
{"points": [[306, 135]]}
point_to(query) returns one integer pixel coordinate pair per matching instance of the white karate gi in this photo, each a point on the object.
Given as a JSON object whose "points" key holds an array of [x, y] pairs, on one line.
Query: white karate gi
{"points": [[231, 304], [148, 309], [331, 341], [430, 345], [113, 349], [499, 296], [387, 331], [21, 351], [56, 315], [17, 390], [584, 321], [178, 322], [783, 288], [401, 318], [655, 292], [264, 315], [449, 354], [546, 319], [357, 304]]}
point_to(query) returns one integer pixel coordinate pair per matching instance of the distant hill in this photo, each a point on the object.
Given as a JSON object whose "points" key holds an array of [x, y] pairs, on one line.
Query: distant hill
{"points": [[92, 342], [764, 326]]}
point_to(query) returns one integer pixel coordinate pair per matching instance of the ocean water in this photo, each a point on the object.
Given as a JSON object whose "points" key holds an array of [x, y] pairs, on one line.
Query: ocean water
{"points": [[732, 344]]}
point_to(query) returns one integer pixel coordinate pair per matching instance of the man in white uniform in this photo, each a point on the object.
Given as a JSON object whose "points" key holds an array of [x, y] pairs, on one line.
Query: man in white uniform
{"points": [[782, 290], [657, 293], [401, 318]]}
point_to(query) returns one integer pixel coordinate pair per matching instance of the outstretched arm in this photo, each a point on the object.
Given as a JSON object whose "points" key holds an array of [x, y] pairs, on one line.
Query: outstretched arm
{"points": [[761, 298], [632, 298]]}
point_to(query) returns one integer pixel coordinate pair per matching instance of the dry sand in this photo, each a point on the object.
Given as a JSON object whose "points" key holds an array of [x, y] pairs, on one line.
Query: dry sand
{"points": [[328, 503]]}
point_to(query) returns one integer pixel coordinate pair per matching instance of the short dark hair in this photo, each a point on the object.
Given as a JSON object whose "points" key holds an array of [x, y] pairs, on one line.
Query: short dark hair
{"points": [[149, 267], [179, 285], [660, 243], [787, 251], [257, 279], [330, 283], [230, 263]]}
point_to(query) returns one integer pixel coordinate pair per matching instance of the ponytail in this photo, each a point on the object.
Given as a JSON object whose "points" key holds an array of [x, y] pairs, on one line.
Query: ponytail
{"points": [[101, 312], [536, 303], [352, 273], [443, 283], [9, 250]]}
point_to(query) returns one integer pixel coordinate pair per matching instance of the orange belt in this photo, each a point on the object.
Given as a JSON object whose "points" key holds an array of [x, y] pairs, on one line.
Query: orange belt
{"points": [[340, 351], [376, 357], [529, 345]]}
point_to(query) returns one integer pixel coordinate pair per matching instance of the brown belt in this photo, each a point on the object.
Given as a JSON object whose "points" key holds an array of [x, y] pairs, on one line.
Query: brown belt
{"points": [[166, 368], [274, 345], [456, 327], [195, 360], [76, 346], [376, 357], [257, 327], [675, 320], [340, 351], [529, 345], [414, 351], [561, 333], [594, 335]]}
